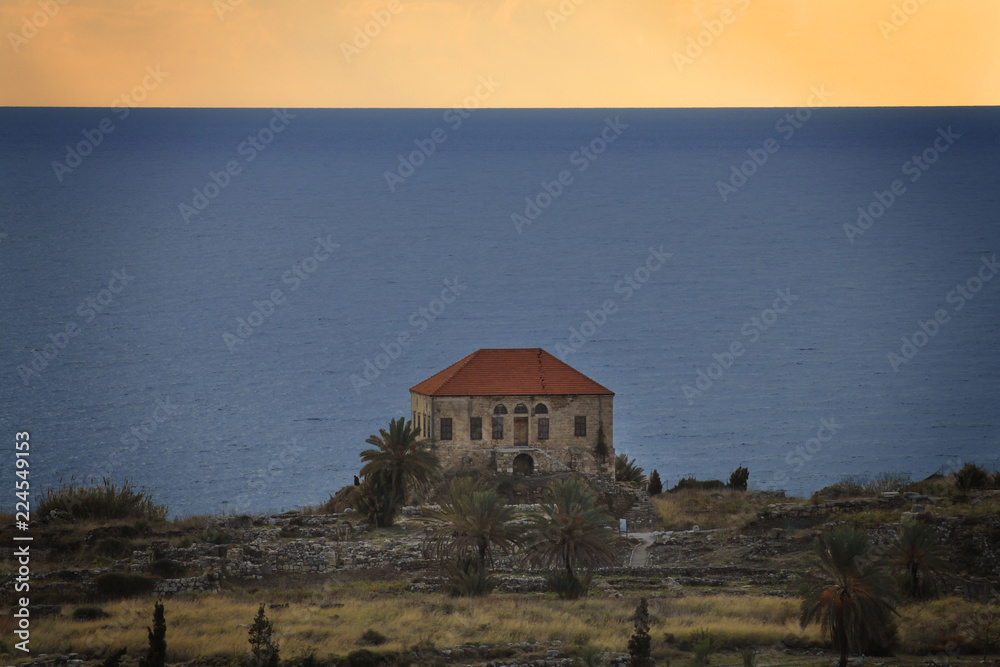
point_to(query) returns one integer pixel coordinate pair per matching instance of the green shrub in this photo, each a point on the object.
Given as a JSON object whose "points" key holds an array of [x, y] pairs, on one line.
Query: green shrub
{"points": [[590, 656], [372, 638], [123, 585], [639, 642], [860, 486], [467, 579], [700, 653], [566, 586], [363, 658], [738, 479], [655, 484], [157, 635], [627, 471], [89, 613], [692, 483], [307, 659], [263, 649], [114, 658], [749, 657], [102, 502], [972, 476], [216, 536]]}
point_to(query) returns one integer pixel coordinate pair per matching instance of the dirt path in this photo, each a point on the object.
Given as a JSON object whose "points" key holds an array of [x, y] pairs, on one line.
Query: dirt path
{"points": [[640, 554]]}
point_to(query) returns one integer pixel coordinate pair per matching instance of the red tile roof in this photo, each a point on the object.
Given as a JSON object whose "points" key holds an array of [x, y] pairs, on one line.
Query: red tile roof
{"points": [[509, 372]]}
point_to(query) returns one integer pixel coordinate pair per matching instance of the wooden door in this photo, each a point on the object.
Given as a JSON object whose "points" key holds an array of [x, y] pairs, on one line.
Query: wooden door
{"points": [[520, 431]]}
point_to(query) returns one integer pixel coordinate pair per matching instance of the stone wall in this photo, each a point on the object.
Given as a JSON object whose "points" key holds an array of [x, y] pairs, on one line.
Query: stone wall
{"points": [[562, 451]]}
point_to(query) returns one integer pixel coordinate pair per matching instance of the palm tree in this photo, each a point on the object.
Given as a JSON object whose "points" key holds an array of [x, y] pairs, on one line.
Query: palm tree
{"points": [[472, 522], [375, 500], [853, 600], [400, 463], [570, 532], [628, 471], [919, 558]]}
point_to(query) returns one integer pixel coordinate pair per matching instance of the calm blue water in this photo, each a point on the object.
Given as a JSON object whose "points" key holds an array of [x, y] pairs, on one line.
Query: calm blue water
{"points": [[278, 422]]}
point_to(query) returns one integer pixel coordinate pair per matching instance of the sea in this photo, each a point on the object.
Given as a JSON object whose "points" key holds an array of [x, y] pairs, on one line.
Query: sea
{"points": [[222, 305]]}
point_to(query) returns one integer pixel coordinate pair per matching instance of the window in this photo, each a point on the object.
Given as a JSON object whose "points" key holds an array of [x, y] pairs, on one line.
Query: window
{"points": [[521, 409], [580, 427], [498, 428], [446, 428], [499, 410], [476, 428], [540, 409], [543, 428]]}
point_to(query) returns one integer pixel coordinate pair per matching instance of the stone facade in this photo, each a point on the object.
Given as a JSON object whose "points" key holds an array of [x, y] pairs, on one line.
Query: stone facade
{"points": [[523, 421]]}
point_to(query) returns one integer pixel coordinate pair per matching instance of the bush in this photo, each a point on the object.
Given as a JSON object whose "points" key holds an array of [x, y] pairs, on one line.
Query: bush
{"points": [[639, 642], [701, 651], [307, 659], [123, 585], [601, 449], [749, 657], [859, 486], [372, 638], [692, 483], [467, 579], [590, 656], [363, 658], [157, 654], [566, 586], [738, 480], [655, 484], [89, 613], [114, 659], [263, 649], [627, 471], [971, 477], [103, 502]]}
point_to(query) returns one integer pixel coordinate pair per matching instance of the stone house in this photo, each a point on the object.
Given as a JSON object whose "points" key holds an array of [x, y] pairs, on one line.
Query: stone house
{"points": [[520, 411]]}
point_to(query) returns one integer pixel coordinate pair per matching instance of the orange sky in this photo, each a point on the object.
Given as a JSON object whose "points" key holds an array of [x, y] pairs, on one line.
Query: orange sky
{"points": [[434, 53]]}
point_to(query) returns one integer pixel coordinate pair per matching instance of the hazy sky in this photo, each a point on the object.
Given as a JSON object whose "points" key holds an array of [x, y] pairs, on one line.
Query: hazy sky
{"points": [[512, 53]]}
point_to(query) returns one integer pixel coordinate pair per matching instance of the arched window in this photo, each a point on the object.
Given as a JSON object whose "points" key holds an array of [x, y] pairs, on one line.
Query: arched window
{"points": [[540, 409], [521, 409], [500, 410]]}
